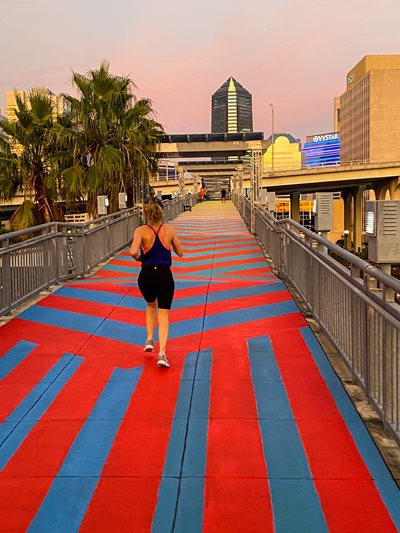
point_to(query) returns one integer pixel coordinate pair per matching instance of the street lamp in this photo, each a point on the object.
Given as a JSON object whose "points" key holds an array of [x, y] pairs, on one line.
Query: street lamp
{"points": [[272, 136]]}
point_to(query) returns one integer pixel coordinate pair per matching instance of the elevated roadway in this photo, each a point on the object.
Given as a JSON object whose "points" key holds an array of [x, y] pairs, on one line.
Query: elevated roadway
{"points": [[367, 175]]}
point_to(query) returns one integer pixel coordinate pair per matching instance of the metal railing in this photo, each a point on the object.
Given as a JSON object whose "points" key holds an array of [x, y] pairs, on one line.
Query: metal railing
{"points": [[172, 208], [355, 303], [32, 260]]}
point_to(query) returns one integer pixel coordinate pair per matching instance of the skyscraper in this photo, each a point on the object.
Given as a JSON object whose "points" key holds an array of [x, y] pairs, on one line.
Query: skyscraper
{"points": [[231, 109], [369, 110]]}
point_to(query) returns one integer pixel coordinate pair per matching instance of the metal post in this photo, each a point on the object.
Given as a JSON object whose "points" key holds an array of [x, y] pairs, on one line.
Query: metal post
{"points": [[256, 162], [272, 138], [181, 181]]}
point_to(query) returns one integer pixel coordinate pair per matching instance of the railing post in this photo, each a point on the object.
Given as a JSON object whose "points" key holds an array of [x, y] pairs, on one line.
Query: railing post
{"points": [[6, 282]]}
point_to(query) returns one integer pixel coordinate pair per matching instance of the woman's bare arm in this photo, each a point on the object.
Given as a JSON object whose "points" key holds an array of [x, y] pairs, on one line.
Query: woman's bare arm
{"points": [[135, 246], [176, 245]]}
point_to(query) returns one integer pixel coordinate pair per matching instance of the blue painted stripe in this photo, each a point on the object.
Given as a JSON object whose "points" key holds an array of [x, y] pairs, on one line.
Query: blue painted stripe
{"points": [[17, 426], [133, 302], [383, 480], [213, 253], [69, 496], [63, 319], [240, 316], [204, 363], [189, 515], [241, 292], [215, 260], [90, 295], [173, 461], [163, 519], [186, 454], [194, 462], [119, 268], [207, 271], [15, 356], [283, 449], [132, 334], [229, 294], [217, 252], [240, 268], [292, 507]]}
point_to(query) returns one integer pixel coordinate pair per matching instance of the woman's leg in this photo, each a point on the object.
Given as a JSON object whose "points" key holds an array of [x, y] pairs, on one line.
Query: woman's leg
{"points": [[151, 316], [163, 329]]}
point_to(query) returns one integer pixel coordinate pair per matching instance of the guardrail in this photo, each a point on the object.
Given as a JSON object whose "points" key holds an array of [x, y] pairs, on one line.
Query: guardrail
{"points": [[172, 208], [354, 304], [33, 259]]}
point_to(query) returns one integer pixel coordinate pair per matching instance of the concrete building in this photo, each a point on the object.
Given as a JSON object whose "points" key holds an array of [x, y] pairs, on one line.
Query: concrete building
{"points": [[282, 154], [58, 101], [369, 115], [231, 108]]}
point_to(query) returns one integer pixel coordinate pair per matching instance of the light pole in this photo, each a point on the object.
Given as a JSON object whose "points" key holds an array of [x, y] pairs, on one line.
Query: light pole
{"points": [[273, 137]]}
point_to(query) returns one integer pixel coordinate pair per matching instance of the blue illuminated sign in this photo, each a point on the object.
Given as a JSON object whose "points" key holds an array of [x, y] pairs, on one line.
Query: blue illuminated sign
{"points": [[323, 149]]}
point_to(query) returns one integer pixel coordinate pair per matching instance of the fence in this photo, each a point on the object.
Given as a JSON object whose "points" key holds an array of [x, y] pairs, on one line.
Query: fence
{"points": [[172, 208], [354, 302], [33, 259]]}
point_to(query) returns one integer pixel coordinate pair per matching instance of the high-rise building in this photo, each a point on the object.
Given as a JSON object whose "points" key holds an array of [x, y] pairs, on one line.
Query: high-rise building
{"points": [[57, 101], [369, 113], [231, 109]]}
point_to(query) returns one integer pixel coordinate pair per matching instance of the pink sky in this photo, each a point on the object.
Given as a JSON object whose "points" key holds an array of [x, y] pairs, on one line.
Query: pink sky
{"points": [[293, 53]]}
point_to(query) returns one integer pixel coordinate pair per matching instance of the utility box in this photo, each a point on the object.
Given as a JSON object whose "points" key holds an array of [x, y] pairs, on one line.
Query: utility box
{"points": [[122, 199], [263, 196], [382, 227], [323, 209], [102, 205], [271, 201]]}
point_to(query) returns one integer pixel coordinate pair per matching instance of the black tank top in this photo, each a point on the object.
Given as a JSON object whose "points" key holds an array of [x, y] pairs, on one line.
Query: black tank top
{"points": [[157, 254]]}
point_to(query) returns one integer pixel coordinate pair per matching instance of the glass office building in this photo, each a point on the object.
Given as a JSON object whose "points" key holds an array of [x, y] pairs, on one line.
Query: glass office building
{"points": [[231, 109]]}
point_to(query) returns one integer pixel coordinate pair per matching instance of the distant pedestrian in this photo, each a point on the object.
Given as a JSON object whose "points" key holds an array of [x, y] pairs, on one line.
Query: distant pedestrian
{"points": [[223, 195], [151, 245], [202, 192]]}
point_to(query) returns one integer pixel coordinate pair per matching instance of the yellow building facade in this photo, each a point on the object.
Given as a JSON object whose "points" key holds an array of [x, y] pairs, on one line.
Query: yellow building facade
{"points": [[57, 101], [369, 122], [282, 154]]}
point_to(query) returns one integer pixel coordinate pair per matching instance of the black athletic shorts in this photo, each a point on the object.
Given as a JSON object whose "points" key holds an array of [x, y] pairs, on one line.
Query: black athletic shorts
{"points": [[157, 283]]}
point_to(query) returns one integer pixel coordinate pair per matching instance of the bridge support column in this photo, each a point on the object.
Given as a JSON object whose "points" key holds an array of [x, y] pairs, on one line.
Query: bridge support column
{"points": [[386, 186], [295, 206], [256, 182]]}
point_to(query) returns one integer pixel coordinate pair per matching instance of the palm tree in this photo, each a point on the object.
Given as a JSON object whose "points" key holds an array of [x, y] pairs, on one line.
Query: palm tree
{"points": [[105, 140], [25, 150]]}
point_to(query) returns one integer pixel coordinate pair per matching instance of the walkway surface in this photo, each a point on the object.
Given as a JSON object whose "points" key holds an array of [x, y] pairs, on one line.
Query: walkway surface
{"points": [[250, 430]]}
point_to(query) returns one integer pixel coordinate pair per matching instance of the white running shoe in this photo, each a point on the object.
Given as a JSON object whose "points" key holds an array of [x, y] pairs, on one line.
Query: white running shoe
{"points": [[162, 361], [149, 346]]}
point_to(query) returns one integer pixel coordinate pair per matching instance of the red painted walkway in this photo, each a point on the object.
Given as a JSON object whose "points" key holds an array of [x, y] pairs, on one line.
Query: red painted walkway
{"points": [[250, 430]]}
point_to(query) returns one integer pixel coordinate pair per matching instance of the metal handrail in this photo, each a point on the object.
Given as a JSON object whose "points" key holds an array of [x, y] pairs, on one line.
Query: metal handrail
{"points": [[63, 250], [355, 305]]}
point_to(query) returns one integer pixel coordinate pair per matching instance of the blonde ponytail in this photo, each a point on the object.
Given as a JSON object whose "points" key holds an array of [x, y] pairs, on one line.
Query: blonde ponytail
{"points": [[153, 212]]}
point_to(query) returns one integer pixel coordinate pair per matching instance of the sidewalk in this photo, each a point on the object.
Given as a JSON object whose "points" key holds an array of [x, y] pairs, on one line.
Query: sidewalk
{"points": [[250, 429]]}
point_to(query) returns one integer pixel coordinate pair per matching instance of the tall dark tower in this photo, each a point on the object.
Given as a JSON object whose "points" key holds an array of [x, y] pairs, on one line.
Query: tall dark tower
{"points": [[231, 110]]}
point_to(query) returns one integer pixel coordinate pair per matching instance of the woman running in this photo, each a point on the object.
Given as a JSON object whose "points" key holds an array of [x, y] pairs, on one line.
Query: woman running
{"points": [[151, 245]]}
